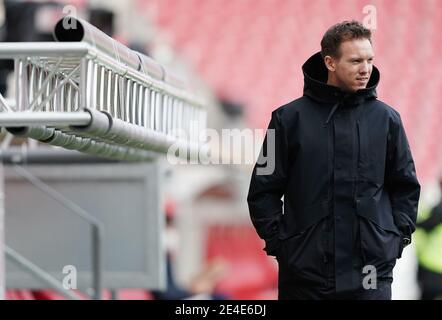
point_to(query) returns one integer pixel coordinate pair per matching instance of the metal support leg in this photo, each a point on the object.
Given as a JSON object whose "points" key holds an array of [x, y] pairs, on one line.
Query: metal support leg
{"points": [[39, 273], [114, 294], [2, 234]]}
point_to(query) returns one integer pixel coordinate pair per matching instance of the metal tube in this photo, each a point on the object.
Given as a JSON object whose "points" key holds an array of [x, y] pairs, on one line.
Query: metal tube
{"points": [[61, 139], [55, 94], [152, 109], [158, 111], [109, 100], [38, 96], [39, 273], [146, 108], [101, 102], [97, 260], [37, 132], [24, 119], [74, 143], [120, 134], [141, 105], [175, 116], [164, 114], [114, 101], [69, 99], [133, 107], [89, 82], [86, 32], [172, 116], [169, 116], [121, 100], [99, 124], [151, 67], [114, 294], [127, 105], [94, 89], [21, 84], [18, 88], [32, 82], [43, 84], [49, 51], [62, 102], [174, 80], [47, 106], [4, 104], [76, 101], [10, 50], [83, 82], [4, 144]]}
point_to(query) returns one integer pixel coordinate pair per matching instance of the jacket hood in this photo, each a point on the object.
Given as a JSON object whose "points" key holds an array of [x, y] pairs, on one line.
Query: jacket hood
{"points": [[316, 87]]}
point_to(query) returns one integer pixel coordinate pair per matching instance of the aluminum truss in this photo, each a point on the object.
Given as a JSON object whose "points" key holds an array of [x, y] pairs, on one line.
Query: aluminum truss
{"points": [[92, 94]]}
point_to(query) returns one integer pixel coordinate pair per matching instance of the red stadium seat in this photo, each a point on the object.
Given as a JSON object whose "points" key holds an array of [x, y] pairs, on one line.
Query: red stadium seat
{"points": [[245, 46]]}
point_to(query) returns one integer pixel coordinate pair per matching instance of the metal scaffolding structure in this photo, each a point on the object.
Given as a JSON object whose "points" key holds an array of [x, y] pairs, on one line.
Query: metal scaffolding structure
{"points": [[87, 92]]}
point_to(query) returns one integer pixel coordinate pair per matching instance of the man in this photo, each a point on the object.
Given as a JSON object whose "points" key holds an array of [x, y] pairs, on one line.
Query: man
{"points": [[343, 164]]}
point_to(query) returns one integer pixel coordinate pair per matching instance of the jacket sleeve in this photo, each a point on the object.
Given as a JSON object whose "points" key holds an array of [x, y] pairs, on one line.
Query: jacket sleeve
{"points": [[401, 180], [268, 184]]}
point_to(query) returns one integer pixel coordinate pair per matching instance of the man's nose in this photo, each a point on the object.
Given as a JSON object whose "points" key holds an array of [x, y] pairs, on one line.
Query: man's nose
{"points": [[364, 68]]}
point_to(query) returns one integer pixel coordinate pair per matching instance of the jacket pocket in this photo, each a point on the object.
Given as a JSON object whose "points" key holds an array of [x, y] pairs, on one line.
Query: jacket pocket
{"points": [[378, 245], [304, 252], [302, 238], [380, 238]]}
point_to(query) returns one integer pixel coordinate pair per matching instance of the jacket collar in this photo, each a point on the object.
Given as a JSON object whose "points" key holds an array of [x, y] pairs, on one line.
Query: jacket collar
{"points": [[316, 87]]}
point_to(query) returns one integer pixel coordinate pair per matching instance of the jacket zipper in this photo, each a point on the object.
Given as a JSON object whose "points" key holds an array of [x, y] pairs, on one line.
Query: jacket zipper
{"points": [[358, 160], [358, 168]]}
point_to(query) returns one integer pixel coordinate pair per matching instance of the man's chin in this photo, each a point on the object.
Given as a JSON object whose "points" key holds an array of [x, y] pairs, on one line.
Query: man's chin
{"points": [[356, 88]]}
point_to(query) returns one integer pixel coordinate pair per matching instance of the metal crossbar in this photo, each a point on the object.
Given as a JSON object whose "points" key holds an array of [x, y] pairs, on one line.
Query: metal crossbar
{"points": [[58, 83]]}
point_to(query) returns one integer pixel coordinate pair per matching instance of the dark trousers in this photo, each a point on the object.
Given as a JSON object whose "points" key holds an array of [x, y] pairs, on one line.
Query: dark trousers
{"points": [[382, 292], [292, 288]]}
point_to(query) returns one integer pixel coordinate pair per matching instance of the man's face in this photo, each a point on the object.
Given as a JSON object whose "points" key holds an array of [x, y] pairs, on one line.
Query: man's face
{"points": [[353, 68]]}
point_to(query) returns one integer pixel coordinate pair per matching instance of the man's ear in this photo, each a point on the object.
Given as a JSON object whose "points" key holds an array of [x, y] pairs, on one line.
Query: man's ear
{"points": [[330, 63]]}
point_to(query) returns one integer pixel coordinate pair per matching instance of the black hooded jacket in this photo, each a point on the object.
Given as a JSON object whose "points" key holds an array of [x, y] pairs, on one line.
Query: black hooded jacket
{"points": [[343, 166]]}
